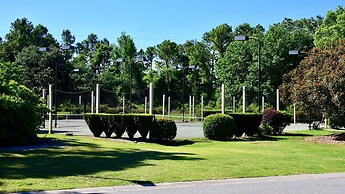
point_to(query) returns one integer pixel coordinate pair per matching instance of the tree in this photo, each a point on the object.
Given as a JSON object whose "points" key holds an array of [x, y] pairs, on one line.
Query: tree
{"points": [[317, 84], [332, 28], [23, 34], [276, 61], [168, 53], [219, 38], [38, 68], [200, 78]]}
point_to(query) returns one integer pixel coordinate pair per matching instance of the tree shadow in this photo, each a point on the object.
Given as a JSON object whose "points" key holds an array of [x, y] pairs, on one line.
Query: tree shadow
{"points": [[56, 162]]}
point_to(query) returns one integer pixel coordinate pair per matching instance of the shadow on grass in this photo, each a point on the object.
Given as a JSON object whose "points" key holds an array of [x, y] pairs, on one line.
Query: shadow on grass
{"points": [[81, 160], [295, 135]]}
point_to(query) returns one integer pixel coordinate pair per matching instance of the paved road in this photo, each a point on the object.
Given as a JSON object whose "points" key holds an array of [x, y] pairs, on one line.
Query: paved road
{"points": [[184, 130], [298, 184]]}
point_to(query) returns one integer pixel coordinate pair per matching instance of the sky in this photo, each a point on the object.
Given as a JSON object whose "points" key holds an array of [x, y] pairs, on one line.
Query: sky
{"points": [[150, 22]]}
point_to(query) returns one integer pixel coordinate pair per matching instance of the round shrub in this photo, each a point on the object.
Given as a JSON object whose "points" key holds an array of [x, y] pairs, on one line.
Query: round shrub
{"points": [[20, 115], [276, 120], [219, 127], [163, 129]]}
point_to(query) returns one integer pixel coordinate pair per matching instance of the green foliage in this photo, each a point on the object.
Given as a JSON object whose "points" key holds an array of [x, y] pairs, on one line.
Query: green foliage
{"points": [[276, 120], [118, 124], [163, 129], [332, 28], [129, 124], [144, 124], [247, 123], [95, 123], [20, 114], [265, 130], [317, 84], [219, 127], [337, 121]]}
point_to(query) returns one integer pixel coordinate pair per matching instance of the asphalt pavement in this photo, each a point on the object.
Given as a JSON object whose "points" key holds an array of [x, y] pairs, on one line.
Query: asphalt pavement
{"points": [[297, 184]]}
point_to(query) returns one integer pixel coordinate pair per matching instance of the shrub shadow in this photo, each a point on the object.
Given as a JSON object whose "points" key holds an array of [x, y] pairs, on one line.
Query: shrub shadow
{"points": [[55, 162]]}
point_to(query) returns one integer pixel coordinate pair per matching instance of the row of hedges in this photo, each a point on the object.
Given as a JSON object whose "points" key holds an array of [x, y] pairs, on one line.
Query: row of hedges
{"points": [[159, 129], [225, 126]]}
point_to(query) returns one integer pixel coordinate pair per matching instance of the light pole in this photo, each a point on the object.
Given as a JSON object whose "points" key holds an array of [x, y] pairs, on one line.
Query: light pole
{"points": [[245, 38], [46, 49], [135, 59]]}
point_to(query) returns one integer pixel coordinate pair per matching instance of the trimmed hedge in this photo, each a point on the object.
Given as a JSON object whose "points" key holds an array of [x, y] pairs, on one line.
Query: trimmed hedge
{"points": [[163, 129], [119, 123], [219, 127], [247, 123]]}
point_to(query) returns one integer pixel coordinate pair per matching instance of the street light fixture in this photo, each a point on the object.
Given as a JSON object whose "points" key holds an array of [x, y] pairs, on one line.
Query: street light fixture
{"points": [[297, 52], [46, 49], [245, 38], [0, 40]]}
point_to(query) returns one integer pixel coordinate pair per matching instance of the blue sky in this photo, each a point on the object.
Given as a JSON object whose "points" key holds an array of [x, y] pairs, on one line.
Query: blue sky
{"points": [[149, 22]]}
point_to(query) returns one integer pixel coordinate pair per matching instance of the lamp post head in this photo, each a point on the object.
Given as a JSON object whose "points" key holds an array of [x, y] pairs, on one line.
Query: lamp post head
{"points": [[67, 47], [0, 40], [293, 52], [75, 70], [120, 60], [43, 49], [241, 38]]}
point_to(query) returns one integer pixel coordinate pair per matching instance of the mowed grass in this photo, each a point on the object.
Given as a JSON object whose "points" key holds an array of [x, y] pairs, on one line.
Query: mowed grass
{"points": [[93, 162]]}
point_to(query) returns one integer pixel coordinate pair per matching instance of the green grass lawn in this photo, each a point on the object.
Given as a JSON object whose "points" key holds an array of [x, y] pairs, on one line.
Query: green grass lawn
{"points": [[93, 162]]}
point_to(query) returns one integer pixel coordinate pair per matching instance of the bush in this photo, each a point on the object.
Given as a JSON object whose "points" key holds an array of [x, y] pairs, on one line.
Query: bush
{"points": [[117, 125], [265, 130], [275, 119], [337, 121], [219, 127], [129, 125], [144, 124], [95, 122], [20, 115], [247, 123], [163, 129]]}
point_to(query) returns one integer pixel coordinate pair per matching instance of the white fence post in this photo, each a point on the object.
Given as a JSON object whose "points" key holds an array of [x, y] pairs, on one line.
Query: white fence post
{"points": [[244, 99], [163, 105], [169, 107], [145, 104], [92, 101], [233, 104], [190, 107], [202, 108], [151, 98], [123, 105], [278, 99], [263, 103], [97, 98], [294, 113]]}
